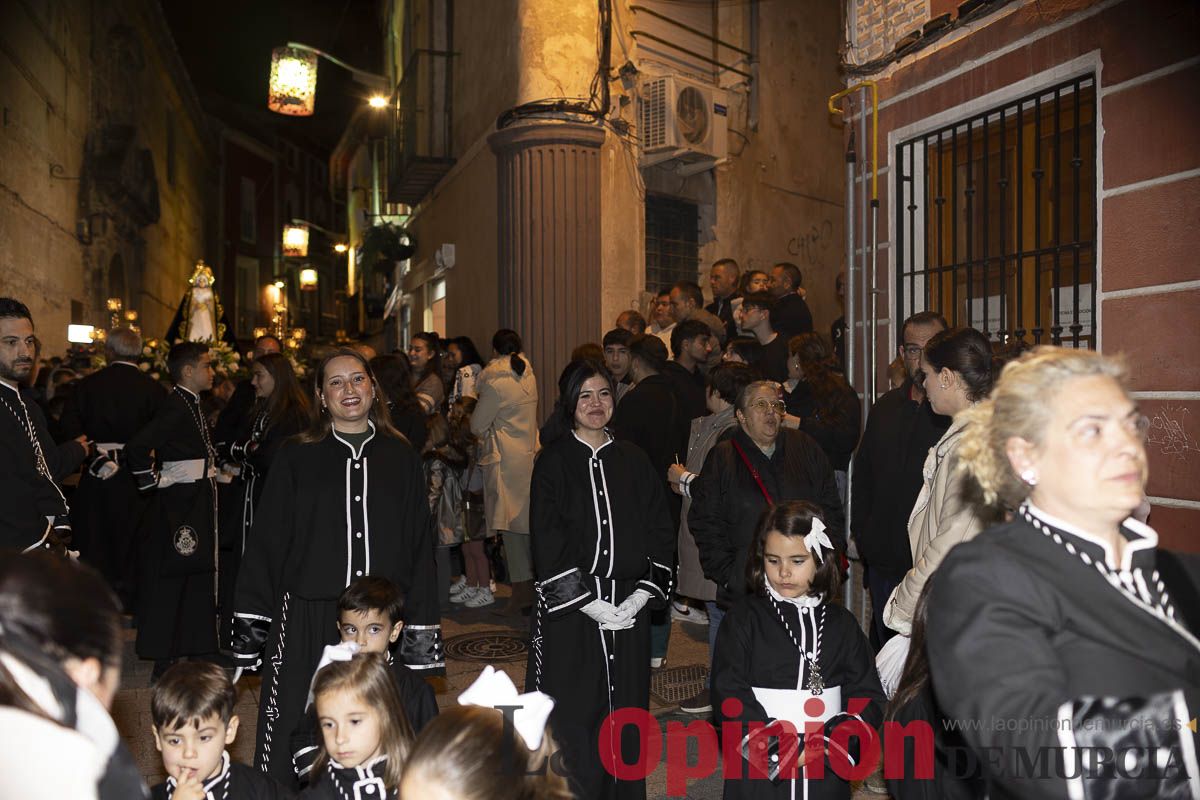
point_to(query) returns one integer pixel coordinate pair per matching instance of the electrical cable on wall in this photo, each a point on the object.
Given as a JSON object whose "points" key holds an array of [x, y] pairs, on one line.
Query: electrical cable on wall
{"points": [[599, 102]]}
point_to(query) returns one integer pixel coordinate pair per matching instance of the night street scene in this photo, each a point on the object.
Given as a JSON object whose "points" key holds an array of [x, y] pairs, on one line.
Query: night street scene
{"points": [[599, 399]]}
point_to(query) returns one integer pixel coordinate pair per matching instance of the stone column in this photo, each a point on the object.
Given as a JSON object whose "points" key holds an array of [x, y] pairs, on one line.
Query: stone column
{"points": [[548, 178]]}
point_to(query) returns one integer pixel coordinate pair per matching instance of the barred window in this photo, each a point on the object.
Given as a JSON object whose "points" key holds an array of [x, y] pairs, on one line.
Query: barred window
{"points": [[996, 219], [672, 242]]}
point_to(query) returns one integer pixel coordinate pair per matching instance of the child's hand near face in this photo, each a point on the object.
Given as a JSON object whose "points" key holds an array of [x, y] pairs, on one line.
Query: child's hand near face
{"points": [[190, 787]]}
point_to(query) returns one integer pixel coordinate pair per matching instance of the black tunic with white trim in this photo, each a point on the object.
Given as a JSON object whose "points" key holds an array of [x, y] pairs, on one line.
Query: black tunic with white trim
{"points": [[364, 782], [177, 564], [1030, 632], [600, 529], [235, 782], [754, 649], [330, 514]]}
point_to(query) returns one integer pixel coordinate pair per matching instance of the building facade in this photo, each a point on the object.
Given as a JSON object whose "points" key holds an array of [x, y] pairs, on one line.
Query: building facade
{"points": [[1038, 179], [535, 208], [106, 165]]}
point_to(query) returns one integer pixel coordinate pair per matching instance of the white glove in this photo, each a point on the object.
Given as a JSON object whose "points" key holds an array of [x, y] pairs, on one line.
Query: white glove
{"points": [[889, 662], [606, 615], [633, 604]]}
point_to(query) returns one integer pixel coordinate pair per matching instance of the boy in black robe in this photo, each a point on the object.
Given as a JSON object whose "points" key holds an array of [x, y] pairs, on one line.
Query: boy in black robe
{"points": [[192, 709]]}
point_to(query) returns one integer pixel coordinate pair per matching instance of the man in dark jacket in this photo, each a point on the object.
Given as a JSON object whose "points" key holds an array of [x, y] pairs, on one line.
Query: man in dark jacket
{"points": [[723, 280], [110, 406], [887, 471], [790, 316], [692, 344], [727, 498]]}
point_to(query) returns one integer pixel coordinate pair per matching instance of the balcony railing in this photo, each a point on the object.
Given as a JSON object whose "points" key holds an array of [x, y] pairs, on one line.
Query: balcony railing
{"points": [[420, 147]]}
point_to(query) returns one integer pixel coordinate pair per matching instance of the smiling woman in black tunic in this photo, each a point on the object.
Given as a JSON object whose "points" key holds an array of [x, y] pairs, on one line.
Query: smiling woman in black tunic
{"points": [[602, 548], [345, 500]]}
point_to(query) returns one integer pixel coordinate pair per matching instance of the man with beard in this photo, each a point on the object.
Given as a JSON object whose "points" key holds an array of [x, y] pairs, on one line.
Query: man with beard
{"points": [[35, 511], [888, 471], [110, 406]]}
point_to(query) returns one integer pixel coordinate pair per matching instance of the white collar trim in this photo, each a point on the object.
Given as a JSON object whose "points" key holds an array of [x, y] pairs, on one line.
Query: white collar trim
{"points": [[595, 450], [1147, 537], [803, 601], [183, 388], [356, 453]]}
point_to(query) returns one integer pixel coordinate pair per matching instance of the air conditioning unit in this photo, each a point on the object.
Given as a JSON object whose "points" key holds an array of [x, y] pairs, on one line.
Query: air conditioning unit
{"points": [[681, 118]]}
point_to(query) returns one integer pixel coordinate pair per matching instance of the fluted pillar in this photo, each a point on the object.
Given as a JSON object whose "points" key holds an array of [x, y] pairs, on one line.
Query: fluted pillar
{"points": [[548, 174]]}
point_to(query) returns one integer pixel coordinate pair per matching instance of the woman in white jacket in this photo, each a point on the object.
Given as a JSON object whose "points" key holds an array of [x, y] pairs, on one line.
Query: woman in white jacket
{"points": [[958, 372], [60, 665], [505, 421]]}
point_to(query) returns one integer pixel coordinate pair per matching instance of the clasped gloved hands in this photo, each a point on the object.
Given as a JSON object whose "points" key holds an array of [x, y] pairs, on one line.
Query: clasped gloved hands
{"points": [[617, 618]]}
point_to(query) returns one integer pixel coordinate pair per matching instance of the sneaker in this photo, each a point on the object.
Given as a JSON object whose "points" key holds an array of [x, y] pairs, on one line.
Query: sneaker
{"points": [[655, 663], [465, 595], [458, 585], [480, 597], [700, 703], [685, 613]]}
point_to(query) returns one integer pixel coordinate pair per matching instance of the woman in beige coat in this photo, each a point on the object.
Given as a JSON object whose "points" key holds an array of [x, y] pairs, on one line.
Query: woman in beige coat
{"points": [[505, 420], [958, 372]]}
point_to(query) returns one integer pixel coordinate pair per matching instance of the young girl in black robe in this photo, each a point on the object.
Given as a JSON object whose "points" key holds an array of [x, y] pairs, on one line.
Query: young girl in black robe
{"points": [[781, 649]]}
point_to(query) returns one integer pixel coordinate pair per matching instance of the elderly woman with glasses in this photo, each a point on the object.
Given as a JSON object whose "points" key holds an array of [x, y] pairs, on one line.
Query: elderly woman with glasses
{"points": [[1067, 632], [761, 465]]}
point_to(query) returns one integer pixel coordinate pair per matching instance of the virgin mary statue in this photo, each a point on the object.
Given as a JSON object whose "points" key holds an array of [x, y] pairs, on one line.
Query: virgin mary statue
{"points": [[200, 317]]}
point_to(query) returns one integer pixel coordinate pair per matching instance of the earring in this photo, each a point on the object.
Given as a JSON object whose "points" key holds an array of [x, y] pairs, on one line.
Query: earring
{"points": [[1029, 476]]}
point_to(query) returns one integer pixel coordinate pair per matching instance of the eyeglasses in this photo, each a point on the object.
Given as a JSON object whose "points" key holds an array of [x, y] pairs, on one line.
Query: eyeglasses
{"points": [[912, 350], [771, 406]]}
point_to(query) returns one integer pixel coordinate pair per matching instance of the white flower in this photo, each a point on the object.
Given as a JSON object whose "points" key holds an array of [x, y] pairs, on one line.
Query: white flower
{"points": [[145, 351]]}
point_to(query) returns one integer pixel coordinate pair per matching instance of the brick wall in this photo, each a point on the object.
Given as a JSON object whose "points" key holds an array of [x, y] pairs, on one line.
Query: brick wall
{"points": [[879, 24]]}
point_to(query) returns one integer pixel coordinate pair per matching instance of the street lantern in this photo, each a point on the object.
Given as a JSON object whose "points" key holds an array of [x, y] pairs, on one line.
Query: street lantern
{"points": [[308, 279], [293, 89], [295, 240]]}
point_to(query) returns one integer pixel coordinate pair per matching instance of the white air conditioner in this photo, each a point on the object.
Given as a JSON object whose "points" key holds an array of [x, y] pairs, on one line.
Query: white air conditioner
{"points": [[681, 118]]}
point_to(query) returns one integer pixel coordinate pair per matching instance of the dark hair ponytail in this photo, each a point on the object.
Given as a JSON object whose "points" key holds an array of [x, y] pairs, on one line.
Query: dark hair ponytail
{"points": [[967, 352], [507, 342]]}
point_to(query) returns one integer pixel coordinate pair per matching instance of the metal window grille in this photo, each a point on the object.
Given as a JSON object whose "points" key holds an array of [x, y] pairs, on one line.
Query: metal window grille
{"points": [[672, 242], [996, 219]]}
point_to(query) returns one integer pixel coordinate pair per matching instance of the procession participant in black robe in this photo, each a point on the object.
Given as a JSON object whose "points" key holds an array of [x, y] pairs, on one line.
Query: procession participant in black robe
{"points": [[280, 411], [235, 419], [174, 463], [784, 646], [35, 512], [602, 548], [109, 407], [345, 499], [1069, 619]]}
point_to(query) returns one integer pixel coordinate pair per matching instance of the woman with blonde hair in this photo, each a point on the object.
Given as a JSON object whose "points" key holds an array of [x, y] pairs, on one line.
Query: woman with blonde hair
{"points": [[1066, 632]]}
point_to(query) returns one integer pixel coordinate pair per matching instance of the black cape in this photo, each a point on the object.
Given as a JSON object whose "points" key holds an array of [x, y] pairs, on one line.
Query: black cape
{"points": [[27, 495], [236, 781], [110, 407], [330, 514], [599, 529]]}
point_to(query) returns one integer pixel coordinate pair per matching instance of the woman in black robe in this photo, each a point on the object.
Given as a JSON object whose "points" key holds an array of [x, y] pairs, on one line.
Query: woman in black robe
{"points": [[280, 411], [602, 547], [1066, 632], [344, 500]]}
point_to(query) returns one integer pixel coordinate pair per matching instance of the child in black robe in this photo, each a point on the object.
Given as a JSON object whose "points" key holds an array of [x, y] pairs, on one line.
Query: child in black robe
{"points": [[192, 710], [788, 654]]}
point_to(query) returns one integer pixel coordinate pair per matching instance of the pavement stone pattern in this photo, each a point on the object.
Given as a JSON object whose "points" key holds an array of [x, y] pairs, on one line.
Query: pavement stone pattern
{"points": [[688, 646]]}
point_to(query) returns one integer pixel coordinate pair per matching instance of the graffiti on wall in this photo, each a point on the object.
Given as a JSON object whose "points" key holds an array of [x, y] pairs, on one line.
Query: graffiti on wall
{"points": [[811, 247], [1167, 434]]}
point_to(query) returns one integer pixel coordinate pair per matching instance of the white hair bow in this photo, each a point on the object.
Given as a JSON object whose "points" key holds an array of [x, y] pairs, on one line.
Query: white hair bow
{"points": [[494, 689], [816, 539], [333, 652]]}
